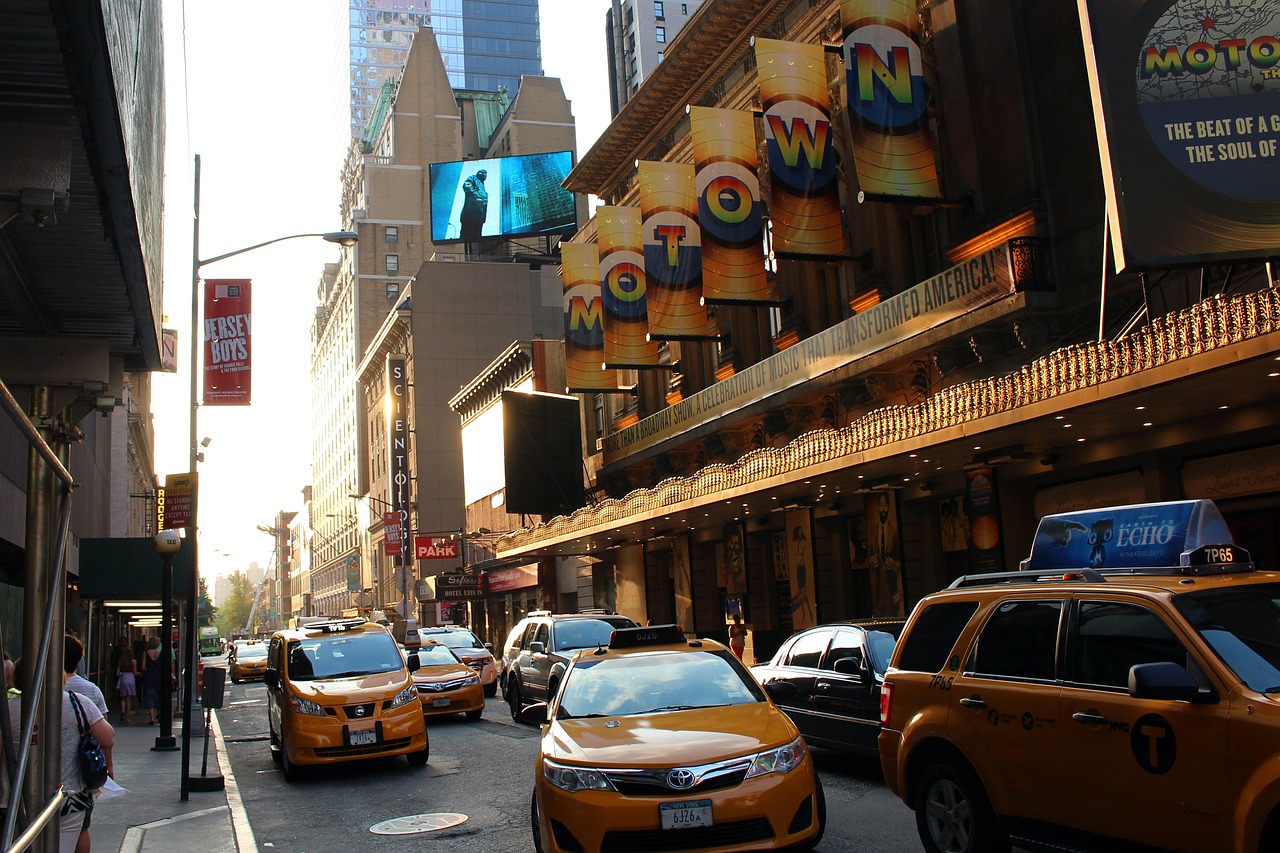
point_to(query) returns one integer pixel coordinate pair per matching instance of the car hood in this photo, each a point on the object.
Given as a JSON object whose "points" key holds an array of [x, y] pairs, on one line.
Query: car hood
{"points": [[442, 672], [655, 740], [364, 688]]}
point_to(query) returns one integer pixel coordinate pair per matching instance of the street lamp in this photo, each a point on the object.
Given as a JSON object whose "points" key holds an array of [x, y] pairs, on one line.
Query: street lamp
{"points": [[342, 238], [168, 542]]}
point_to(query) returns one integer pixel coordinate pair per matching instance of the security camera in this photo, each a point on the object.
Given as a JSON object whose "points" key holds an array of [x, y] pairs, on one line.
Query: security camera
{"points": [[106, 405]]}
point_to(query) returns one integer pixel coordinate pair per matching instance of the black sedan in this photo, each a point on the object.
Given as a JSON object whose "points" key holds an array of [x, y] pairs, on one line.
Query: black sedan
{"points": [[836, 671]]}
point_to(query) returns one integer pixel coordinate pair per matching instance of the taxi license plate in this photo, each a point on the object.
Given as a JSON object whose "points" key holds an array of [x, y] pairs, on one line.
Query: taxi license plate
{"points": [[364, 738], [690, 815], [441, 702]]}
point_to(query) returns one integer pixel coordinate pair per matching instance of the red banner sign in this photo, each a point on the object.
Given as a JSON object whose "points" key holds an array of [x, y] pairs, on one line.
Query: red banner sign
{"points": [[393, 533], [226, 342], [435, 547]]}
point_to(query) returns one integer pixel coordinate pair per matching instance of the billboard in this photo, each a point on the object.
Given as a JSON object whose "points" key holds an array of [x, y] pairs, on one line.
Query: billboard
{"points": [[517, 196], [227, 354], [1188, 100], [542, 451]]}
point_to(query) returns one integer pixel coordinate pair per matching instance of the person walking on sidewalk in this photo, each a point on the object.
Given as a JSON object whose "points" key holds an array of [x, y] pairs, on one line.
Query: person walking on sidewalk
{"points": [[126, 683], [151, 680], [73, 835]]}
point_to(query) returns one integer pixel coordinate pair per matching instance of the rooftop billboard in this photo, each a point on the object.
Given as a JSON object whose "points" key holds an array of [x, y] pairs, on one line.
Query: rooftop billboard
{"points": [[517, 196]]}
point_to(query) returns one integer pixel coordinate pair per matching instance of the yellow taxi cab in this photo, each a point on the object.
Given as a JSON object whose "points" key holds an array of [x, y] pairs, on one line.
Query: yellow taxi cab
{"points": [[661, 743], [445, 684], [1121, 691], [250, 661], [341, 691]]}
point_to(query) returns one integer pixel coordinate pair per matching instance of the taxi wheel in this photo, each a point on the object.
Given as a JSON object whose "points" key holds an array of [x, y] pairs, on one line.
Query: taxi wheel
{"points": [[234, 680], [821, 799], [513, 698], [277, 748], [475, 715], [417, 759], [291, 771], [491, 689], [953, 814], [536, 824]]}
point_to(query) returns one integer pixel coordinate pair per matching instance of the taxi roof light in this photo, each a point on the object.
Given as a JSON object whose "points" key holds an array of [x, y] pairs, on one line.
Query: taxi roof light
{"points": [[649, 635], [334, 625]]}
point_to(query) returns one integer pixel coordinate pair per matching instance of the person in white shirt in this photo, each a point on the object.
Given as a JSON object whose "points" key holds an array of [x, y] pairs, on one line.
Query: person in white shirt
{"points": [[78, 808]]}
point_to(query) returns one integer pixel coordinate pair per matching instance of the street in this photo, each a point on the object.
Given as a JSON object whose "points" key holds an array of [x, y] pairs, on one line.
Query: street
{"points": [[483, 770]]}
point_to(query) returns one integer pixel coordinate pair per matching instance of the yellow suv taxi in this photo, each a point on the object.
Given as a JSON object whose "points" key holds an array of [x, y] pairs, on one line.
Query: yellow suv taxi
{"points": [[1123, 689], [340, 691], [661, 743]]}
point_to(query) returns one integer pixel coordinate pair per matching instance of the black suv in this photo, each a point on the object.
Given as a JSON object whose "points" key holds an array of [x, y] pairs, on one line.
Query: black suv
{"points": [[539, 648]]}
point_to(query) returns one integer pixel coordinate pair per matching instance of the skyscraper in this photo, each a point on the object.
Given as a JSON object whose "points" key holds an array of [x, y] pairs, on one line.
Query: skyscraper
{"points": [[486, 44], [638, 33]]}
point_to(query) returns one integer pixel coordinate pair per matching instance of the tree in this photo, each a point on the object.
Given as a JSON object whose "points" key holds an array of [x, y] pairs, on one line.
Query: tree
{"points": [[234, 612], [206, 613]]}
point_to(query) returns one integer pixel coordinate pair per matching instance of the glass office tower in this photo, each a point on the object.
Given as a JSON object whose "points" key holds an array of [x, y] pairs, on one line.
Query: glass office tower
{"points": [[486, 44]]}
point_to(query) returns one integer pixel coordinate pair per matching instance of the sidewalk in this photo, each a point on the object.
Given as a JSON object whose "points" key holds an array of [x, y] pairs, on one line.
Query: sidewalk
{"points": [[152, 816]]}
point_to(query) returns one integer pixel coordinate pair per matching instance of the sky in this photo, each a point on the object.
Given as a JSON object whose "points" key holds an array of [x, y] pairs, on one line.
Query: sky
{"points": [[258, 91]]}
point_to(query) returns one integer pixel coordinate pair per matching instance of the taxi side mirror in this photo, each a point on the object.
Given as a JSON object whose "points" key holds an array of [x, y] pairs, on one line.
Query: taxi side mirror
{"points": [[1163, 680], [414, 663], [849, 666], [271, 678]]}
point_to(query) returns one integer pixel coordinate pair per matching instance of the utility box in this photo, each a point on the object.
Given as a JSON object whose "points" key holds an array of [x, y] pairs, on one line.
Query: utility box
{"points": [[213, 687]]}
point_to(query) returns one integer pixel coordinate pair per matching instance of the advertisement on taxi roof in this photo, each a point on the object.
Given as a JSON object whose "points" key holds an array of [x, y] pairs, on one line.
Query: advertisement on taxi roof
{"points": [[1133, 536]]}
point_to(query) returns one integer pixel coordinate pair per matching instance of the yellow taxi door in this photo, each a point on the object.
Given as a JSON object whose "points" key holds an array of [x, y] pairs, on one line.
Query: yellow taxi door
{"points": [[1004, 708], [1150, 771]]}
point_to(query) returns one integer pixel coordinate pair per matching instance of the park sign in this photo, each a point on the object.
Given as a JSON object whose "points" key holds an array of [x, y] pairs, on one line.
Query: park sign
{"points": [[454, 587], [435, 547]]}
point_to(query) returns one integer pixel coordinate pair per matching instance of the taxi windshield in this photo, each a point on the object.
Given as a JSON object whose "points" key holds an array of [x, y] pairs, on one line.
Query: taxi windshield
{"points": [[654, 683], [1242, 625], [344, 656], [257, 650], [435, 654]]}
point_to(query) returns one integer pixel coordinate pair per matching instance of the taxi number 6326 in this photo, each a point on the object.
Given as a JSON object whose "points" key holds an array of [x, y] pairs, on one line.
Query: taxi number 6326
{"points": [[687, 815]]}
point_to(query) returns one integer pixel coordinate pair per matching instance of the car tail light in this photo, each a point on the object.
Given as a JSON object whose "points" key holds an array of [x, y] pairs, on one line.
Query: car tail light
{"points": [[886, 702]]}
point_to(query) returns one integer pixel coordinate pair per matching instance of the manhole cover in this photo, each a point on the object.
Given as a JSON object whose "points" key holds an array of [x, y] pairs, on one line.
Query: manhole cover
{"points": [[415, 823]]}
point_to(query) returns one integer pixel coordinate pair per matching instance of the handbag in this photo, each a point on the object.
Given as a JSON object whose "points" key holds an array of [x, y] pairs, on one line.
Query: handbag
{"points": [[93, 763]]}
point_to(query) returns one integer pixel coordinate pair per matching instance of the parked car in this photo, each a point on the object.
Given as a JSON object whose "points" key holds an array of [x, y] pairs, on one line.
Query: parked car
{"points": [[473, 651], [663, 743], [446, 685], [540, 646], [1122, 691], [835, 671]]}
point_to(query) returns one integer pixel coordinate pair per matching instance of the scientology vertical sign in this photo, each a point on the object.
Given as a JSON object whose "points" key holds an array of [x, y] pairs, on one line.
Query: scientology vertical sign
{"points": [[397, 413]]}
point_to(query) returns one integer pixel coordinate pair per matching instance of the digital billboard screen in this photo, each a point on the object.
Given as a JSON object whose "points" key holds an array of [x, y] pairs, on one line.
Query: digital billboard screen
{"points": [[517, 196]]}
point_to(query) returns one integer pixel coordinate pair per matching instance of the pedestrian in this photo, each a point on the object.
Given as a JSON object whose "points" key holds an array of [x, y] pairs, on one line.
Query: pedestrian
{"points": [[738, 636], [77, 808], [8, 671], [126, 683], [114, 660], [151, 680]]}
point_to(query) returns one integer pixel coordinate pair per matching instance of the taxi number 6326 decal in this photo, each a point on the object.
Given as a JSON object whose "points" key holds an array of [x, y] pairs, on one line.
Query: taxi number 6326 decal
{"points": [[941, 682]]}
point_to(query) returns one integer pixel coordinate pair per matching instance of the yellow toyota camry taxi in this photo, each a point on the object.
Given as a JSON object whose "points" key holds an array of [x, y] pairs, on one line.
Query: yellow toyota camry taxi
{"points": [[341, 691], [661, 743], [445, 684]]}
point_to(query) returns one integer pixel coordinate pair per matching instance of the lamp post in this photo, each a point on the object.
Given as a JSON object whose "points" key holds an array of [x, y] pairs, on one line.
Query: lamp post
{"points": [[167, 545], [343, 238]]}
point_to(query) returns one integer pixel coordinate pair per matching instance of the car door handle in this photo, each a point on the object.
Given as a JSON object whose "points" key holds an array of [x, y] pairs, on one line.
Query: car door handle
{"points": [[974, 702], [1089, 719], [823, 685]]}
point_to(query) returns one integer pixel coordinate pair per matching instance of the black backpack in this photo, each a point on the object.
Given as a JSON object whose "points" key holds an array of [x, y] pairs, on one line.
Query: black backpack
{"points": [[93, 763]]}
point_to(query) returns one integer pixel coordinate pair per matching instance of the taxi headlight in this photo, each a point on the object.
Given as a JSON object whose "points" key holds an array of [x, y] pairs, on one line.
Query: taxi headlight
{"points": [[470, 680], [784, 759], [575, 779], [405, 696], [306, 706]]}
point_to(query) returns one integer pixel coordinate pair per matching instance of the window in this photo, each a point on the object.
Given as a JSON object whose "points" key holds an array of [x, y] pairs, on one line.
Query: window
{"points": [[393, 290], [391, 233], [931, 639], [1113, 637], [684, 8], [660, 34], [808, 649], [1020, 640], [847, 644], [657, 9], [659, 56], [393, 264]]}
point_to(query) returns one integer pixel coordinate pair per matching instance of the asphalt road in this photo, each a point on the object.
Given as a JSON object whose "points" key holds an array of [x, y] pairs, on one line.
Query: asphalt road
{"points": [[484, 770]]}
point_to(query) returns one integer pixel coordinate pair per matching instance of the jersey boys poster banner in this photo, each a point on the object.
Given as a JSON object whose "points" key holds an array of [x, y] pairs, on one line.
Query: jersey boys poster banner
{"points": [[1188, 95], [724, 154], [804, 199], [623, 287], [227, 354], [672, 250], [583, 319], [888, 102]]}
